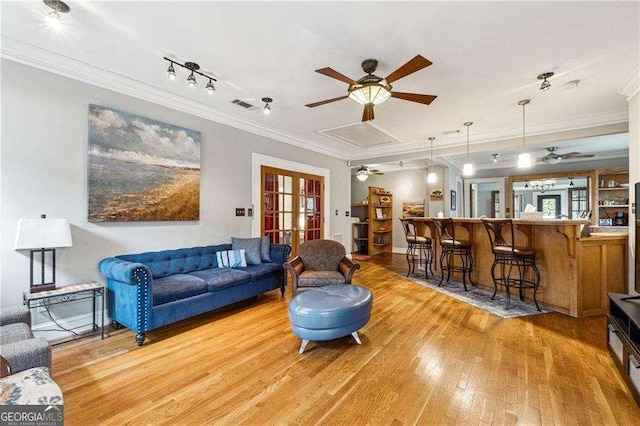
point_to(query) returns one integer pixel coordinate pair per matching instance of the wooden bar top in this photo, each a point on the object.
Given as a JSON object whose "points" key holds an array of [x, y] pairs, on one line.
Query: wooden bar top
{"points": [[575, 272]]}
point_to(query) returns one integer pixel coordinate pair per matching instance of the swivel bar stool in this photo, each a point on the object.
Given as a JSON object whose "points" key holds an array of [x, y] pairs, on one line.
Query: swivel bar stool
{"points": [[514, 261], [451, 247], [421, 244]]}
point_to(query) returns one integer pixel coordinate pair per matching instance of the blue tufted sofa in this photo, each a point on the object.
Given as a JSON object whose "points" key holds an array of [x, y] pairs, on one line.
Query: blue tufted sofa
{"points": [[149, 290]]}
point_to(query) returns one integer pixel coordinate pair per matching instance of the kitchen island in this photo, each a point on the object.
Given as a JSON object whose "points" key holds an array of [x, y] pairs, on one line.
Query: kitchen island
{"points": [[575, 272]]}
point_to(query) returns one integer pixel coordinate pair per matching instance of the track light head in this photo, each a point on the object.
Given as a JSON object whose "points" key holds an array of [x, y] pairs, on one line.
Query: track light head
{"points": [[545, 84], [210, 87], [191, 80], [267, 106], [171, 72]]}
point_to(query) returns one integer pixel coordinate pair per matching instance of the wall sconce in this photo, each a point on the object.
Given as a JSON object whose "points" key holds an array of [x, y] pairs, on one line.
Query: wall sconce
{"points": [[42, 236], [545, 84], [191, 79], [267, 106]]}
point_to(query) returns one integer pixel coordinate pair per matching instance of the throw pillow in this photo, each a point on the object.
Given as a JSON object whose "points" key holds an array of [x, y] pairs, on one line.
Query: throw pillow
{"points": [[251, 246], [231, 259], [265, 250]]}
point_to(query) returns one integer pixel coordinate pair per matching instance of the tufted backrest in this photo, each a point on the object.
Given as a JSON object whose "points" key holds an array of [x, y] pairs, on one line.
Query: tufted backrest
{"points": [[321, 255], [180, 261]]}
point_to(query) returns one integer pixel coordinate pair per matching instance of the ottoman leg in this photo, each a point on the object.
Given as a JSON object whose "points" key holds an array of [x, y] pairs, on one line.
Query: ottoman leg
{"points": [[355, 336], [303, 346]]}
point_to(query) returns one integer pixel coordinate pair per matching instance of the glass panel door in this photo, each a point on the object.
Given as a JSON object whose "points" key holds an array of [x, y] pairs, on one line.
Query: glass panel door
{"points": [[288, 218]]}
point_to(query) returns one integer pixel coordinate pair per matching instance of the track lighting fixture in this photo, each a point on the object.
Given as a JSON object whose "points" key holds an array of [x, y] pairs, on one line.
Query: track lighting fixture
{"points": [[495, 157], [191, 79], [54, 18], [267, 106], [467, 169], [545, 84], [524, 158], [570, 181]]}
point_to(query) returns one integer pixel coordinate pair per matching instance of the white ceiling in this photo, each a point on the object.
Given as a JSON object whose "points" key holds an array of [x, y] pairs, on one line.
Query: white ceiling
{"points": [[486, 56]]}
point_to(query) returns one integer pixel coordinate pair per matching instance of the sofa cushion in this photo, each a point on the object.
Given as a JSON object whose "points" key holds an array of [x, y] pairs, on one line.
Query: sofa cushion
{"points": [[265, 250], [251, 246], [320, 278], [259, 271], [176, 287], [231, 258], [15, 332], [220, 278]]}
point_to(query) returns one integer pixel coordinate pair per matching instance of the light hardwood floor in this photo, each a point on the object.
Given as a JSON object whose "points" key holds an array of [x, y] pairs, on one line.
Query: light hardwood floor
{"points": [[424, 359]]}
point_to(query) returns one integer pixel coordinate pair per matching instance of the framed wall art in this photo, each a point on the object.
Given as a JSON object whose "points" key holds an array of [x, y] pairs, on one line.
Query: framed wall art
{"points": [[141, 169], [453, 200], [412, 209], [436, 194]]}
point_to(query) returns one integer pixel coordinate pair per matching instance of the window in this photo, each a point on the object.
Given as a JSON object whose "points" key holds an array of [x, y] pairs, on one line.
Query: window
{"points": [[578, 202]]}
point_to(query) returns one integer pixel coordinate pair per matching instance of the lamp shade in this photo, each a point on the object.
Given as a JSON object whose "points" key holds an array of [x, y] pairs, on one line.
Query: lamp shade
{"points": [[369, 93], [42, 233]]}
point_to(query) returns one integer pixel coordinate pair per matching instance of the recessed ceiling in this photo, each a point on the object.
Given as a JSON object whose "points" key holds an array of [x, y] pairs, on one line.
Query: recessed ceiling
{"points": [[486, 56]]}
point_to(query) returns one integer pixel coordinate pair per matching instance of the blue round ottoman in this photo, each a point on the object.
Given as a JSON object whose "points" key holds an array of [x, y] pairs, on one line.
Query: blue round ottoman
{"points": [[329, 312]]}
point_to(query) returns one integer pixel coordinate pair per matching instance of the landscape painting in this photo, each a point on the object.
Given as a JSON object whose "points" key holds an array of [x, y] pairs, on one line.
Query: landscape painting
{"points": [[412, 209], [141, 169]]}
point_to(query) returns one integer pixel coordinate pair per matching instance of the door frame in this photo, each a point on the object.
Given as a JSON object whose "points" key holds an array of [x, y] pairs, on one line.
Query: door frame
{"points": [[259, 160]]}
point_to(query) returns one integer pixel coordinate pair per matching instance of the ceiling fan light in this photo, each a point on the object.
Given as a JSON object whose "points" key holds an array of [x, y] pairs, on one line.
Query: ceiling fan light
{"points": [[55, 20], [553, 160], [524, 160], [369, 94], [362, 175], [467, 169]]}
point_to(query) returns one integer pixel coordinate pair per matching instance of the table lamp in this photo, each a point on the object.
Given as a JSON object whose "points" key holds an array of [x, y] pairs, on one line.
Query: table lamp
{"points": [[42, 236]]}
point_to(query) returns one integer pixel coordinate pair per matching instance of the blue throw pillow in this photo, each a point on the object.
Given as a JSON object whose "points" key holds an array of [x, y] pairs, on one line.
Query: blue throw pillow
{"points": [[231, 259], [265, 250], [251, 246]]}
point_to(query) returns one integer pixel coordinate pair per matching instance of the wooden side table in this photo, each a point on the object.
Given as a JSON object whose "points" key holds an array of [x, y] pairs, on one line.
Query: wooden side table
{"points": [[89, 290]]}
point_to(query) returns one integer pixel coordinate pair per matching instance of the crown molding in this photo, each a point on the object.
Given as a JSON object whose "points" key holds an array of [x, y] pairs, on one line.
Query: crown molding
{"points": [[48, 61], [631, 86]]}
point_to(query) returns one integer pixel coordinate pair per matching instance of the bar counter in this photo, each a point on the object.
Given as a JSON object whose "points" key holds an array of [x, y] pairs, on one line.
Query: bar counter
{"points": [[575, 272]]}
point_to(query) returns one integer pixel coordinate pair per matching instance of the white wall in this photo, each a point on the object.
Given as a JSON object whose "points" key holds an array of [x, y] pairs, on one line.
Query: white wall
{"points": [[44, 170], [634, 176]]}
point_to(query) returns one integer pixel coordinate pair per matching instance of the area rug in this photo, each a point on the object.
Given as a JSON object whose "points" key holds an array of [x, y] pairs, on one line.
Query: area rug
{"points": [[480, 297]]}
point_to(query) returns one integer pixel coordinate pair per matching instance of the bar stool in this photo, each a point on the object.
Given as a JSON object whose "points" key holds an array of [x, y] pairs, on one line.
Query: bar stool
{"points": [[421, 244], [451, 247], [508, 257]]}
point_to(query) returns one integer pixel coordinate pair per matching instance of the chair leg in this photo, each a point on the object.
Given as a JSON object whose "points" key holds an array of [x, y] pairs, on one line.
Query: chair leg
{"points": [[493, 275], [464, 260], [536, 272], [441, 268], [408, 253], [431, 256], [304, 344], [355, 336]]}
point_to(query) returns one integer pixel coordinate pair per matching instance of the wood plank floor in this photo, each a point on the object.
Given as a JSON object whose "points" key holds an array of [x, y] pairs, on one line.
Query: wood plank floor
{"points": [[424, 359]]}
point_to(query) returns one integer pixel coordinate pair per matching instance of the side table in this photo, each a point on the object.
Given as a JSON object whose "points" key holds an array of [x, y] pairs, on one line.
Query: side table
{"points": [[89, 290]]}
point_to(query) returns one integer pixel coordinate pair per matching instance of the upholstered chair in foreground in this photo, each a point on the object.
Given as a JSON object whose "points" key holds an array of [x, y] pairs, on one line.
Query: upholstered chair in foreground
{"points": [[17, 344], [320, 263]]}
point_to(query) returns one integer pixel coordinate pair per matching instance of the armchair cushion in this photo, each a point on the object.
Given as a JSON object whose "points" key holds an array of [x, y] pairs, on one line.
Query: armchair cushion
{"points": [[15, 314], [17, 344], [321, 255], [30, 387], [320, 278]]}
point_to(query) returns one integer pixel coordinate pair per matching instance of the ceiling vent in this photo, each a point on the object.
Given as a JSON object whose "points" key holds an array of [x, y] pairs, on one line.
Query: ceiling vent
{"points": [[361, 135], [244, 104]]}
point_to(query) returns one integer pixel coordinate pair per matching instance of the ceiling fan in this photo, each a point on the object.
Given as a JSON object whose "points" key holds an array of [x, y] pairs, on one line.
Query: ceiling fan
{"points": [[372, 90], [365, 171], [553, 158]]}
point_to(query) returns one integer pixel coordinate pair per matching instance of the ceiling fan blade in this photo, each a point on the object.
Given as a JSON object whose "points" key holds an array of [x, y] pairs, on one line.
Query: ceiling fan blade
{"points": [[335, 74], [577, 155], [415, 64], [375, 172], [315, 104], [414, 97], [367, 114]]}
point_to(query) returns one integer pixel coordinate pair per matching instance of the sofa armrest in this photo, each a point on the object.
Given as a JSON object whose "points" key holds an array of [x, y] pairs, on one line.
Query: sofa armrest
{"points": [[280, 253], [124, 271], [27, 354], [348, 268], [15, 314]]}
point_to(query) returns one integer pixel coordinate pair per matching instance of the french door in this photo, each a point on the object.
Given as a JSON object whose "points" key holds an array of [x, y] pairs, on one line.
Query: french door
{"points": [[292, 209]]}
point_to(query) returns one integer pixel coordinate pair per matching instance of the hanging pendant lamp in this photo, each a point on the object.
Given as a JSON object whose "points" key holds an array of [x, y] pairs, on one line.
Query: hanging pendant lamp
{"points": [[431, 176], [467, 169], [524, 159]]}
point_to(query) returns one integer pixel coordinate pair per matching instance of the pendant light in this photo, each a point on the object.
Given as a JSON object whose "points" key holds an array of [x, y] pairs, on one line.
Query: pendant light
{"points": [[524, 159], [431, 176], [467, 169]]}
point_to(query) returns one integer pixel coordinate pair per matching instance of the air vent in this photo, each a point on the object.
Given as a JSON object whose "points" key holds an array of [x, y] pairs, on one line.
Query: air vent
{"points": [[243, 104], [362, 135]]}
